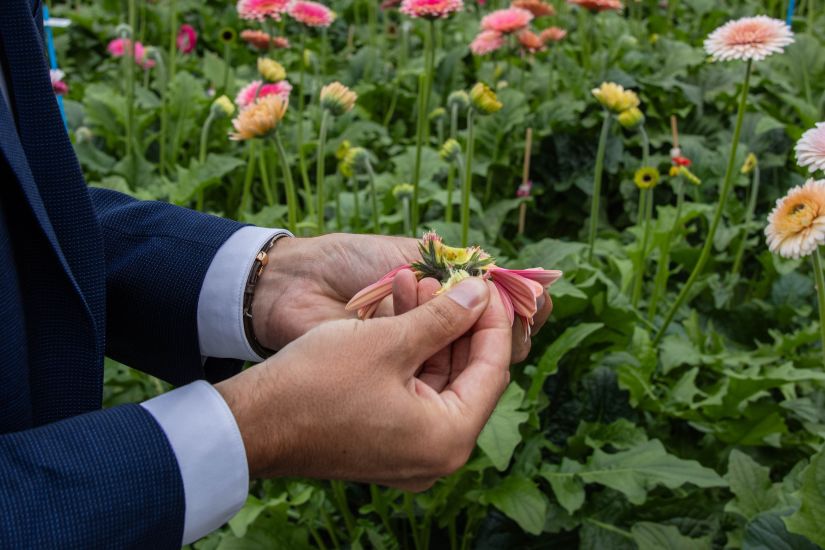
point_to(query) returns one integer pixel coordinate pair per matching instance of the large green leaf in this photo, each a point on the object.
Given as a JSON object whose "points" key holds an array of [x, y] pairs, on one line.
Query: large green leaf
{"points": [[809, 520], [767, 532], [549, 362], [500, 436], [653, 536], [519, 499], [751, 483]]}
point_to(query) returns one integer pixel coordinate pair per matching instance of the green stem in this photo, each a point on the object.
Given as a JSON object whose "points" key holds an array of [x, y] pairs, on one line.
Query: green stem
{"points": [[173, 36], [129, 67], [663, 269], [468, 181], [740, 251], [637, 289], [717, 216], [291, 199], [645, 146], [310, 203], [409, 509], [380, 505], [250, 173], [448, 212], [202, 154], [376, 228], [339, 490], [820, 295], [227, 57], [330, 528], [339, 224], [405, 205], [424, 83], [597, 186], [584, 37], [270, 199], [319, 170], [356, 204]]}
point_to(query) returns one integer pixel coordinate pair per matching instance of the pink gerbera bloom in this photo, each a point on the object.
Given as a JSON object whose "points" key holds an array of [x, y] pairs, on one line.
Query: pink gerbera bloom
{"points": [[256, 90], [810, 149], [121, 46], [518, 288], [749, 38], [552, 34], [262, 40], [598, 5], [187, 39], [431, 9], [507, 20], [261, 9], [311, 14], [530, 41], [486, 42], [59, 87]]}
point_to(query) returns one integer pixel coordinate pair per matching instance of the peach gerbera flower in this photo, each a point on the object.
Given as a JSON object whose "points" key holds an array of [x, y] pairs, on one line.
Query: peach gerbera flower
{"points": [[530, 41], [486, 42], [749, 38], [552, 34], [796, 226], [598, 5], [430, 9], [810, 149], [311, 14], [259, 119], [507, 20], [536, 7], [257, 89], [261, 9], [262, 40], [518, 288]]}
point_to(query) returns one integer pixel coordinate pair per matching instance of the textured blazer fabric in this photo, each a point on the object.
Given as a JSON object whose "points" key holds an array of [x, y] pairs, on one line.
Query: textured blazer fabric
{"points": [[85, 273]]}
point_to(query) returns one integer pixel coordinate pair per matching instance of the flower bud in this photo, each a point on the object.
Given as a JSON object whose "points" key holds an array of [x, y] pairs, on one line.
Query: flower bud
{"points": [[458, 99], [356, 159], [438, 113], [402, 191], [271, 70], [82, 134], [750, 164], [484, 100], [223, 106], [337, 98], [450, 151], [631, 118]]}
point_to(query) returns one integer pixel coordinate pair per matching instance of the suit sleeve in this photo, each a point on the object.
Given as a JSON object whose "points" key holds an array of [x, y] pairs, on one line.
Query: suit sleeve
{"points": [[107, 479], [157, 256]]}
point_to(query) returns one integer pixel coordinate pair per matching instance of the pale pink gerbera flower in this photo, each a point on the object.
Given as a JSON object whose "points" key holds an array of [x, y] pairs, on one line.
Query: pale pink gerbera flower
{"points": [[518, 288], [486, 42], [311, 14], [796, 226], [749, 38], [261, 9], [507, 20], [59, 87], [552, 34], [810, 149], [598, 5], [431, 9], [256, 90]]}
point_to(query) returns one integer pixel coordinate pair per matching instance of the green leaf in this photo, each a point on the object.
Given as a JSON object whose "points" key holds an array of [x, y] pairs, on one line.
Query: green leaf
{"points": [[569, 490], [767, 532], [809, 519], [500, 436], [636, 471], [199, 176], [519, 499], [653, 536], [751, 483], [549, 362]]}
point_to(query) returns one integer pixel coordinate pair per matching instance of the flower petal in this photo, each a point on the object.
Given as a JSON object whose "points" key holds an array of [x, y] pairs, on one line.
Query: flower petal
{"points": [[507, 301], [376, 291]]}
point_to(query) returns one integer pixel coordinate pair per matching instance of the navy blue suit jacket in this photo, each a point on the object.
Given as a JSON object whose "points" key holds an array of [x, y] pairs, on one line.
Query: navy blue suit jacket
{"points": [[85, 272]]}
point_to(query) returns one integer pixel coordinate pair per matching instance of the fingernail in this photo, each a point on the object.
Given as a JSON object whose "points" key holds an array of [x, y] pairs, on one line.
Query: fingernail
{"points": [[467, 293], [540, 300]]}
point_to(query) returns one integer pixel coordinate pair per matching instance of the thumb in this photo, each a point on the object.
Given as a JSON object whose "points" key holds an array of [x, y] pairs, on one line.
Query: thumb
{"points": [[431, 327]]}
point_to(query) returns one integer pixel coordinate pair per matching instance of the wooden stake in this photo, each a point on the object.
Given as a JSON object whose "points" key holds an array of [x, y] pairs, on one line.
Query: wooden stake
{"points": [[525, 177]]}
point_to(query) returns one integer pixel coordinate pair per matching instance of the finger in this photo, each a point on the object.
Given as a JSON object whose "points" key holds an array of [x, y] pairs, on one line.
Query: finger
{"points": [[545, 308], [428, 328], [404, 292], [486, 374], [436, 370], [520, 342]]}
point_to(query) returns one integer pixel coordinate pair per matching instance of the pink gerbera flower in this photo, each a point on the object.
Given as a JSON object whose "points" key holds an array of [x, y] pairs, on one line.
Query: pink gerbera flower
{"points": [[311, 14], [431, 9], [598, 5], [261, 9], [749, 38], [518, 288], [262, 41], [187, 39], [486, 42], [507, 20], [810, 149], [256, 90], [121, 46], [552, 34], [530, 41], [59, 87]]}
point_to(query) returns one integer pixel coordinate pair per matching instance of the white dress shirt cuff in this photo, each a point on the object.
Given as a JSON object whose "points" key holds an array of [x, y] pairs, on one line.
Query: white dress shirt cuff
{"points": [[220, 304], [206, 441]]}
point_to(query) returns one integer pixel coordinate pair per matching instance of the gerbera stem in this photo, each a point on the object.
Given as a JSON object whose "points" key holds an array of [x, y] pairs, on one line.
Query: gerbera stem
{"points": [[302, 166], [129, 68], [338, 222], [820, 295], [663, 269], [250, 172], [640, 273], [468, 181], [319, 170], [405, 206], [424, 82], [740, 251], [356, 204], [597, 186], [270, 199], [202, 154], [717, 216], [291, 199], [448, 211], [376, 228]]}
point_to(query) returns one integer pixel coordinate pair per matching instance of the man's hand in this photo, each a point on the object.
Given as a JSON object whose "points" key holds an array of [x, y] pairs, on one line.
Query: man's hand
{"points": [[308, 281], [344, 402]]}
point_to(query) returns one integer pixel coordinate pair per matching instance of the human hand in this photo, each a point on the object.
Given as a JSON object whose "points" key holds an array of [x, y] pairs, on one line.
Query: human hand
{"points": [[344, 402], [308, 281]]}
